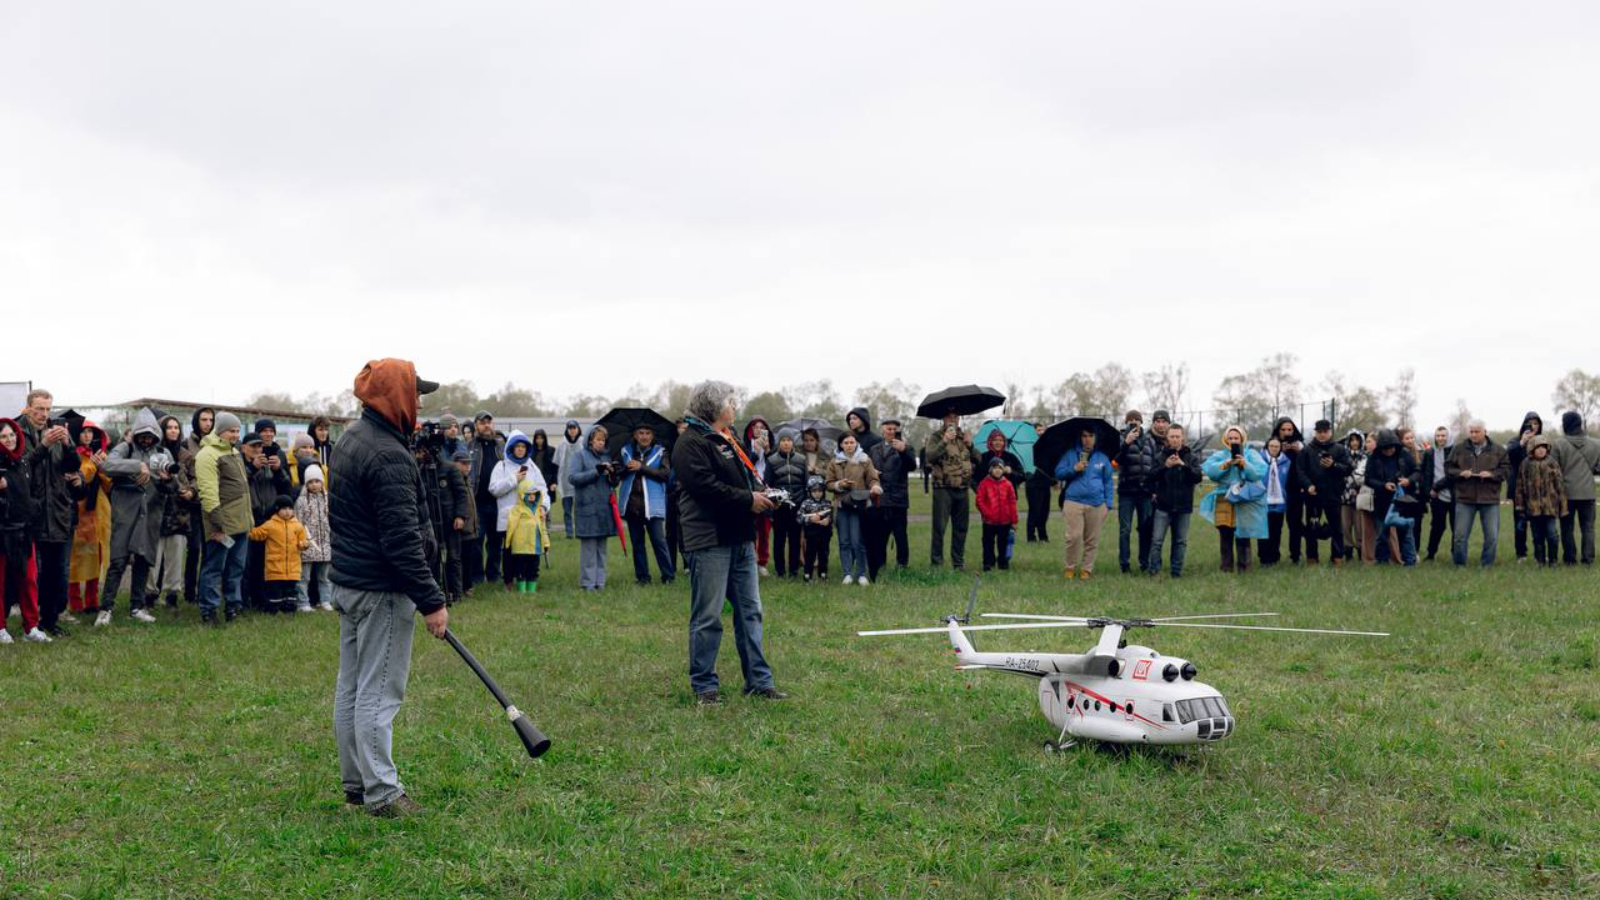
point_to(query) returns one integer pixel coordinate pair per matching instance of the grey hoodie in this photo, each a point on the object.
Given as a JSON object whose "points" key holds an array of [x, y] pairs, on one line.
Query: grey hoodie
{"points": [[1579, 457], [135, 508]]}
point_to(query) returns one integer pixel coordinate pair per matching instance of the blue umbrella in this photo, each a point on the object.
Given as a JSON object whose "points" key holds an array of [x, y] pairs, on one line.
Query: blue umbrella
{"points": [[1020, 438]]}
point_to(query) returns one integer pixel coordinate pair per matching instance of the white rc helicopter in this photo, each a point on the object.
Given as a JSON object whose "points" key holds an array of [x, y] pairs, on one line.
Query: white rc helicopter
{"points": [[1118, 692]]}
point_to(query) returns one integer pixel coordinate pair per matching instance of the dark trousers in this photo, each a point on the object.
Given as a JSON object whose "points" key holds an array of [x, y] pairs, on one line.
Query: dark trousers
{"points": [[1442, 513], [1038, 494], [1578, 522], [54, 562], [1545, 537], [674, 533], [995, 539], [893, 522], [453, 568], [255, 576], [1519, 528], [522, 567], [1325, 510], [1270, 548], [493, 541], [876, 541], [786, 543], [1235, 551], [1129, 509], [1295, 514], [950, 509], [818, 538], [136, 585], [471, 561], [656, 529], [191, 558]]}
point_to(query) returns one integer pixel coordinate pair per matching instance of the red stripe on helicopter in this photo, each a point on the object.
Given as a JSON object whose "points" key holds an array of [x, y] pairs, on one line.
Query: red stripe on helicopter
{"points": [[1109, 702]]}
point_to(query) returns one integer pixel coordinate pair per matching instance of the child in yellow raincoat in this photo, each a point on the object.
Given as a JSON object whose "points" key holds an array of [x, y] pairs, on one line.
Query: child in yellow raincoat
{"points": [[91, 543], [526, 537]]}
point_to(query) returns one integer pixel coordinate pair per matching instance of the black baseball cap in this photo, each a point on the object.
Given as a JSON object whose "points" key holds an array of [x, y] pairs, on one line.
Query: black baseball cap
{"points": [[1322, 425], [424, 386]]}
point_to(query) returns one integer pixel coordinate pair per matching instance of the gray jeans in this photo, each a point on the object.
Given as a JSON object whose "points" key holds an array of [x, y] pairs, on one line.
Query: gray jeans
{"points": [[591, 563], [374, 659]]}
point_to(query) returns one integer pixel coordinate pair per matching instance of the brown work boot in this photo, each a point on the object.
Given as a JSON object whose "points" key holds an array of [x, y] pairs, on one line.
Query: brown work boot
{"points": [[401, 807], [1337, 562], [1085, 574], [1070, 572]]}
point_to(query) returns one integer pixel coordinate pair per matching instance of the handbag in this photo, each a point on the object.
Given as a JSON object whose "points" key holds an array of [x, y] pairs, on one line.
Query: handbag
{"points": [[1247, 492], [1365, 498]]}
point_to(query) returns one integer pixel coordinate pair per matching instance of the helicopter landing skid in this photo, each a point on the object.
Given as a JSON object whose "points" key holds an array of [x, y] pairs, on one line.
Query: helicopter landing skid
{"points": [[1060, 743]]}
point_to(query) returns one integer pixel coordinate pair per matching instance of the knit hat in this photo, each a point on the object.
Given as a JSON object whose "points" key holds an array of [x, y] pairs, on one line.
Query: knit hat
{"points": [[1161, 415], [251, 438], [1133, 415], [225, 421], [302, 441], [264, 424], [448, 421], [313, 473], [462, 454], [1571, 423], [284, 501]]}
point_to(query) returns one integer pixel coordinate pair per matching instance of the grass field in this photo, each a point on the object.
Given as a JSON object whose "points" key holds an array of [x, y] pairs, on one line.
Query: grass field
{"points": [[1458, 759]]}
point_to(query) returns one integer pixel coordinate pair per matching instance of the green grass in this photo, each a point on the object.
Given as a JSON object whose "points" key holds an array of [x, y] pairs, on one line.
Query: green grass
{"points": [[1457, 759]]}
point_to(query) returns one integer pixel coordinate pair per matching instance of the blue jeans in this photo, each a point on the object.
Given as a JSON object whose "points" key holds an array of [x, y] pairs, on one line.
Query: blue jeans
{"points": [[852, 549], [221, 574], [1127, 508], [1408, 543], [566, 514], [725, 573], [1465, 513], [1161, 523]]}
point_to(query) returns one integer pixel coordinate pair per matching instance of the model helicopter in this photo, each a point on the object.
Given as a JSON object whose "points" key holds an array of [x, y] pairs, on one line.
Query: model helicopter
{"points": [[1119, 693]]}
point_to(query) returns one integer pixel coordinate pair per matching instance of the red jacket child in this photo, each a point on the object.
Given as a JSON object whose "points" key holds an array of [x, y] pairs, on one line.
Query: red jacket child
{"points": [[997, 501]]}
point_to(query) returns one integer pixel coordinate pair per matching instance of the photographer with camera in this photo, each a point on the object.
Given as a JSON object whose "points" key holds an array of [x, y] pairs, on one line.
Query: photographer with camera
{"points": [[592, 474], [52, 464], [1323, 470], [143, 474], [895, 461], [508, 474], [642, 498], [380, 579], [1238, 506], [950, 461]]}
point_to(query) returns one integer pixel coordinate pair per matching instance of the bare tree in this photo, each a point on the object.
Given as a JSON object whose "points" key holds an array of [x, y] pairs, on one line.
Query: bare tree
{"points": [[1105, 392], [1354, 406], [1458, 423], [1579, 392], [1166, 387], [1400, 399]]}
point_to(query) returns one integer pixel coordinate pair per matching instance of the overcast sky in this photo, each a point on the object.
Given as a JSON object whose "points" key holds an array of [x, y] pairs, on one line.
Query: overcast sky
{"points": [[580, 197]]}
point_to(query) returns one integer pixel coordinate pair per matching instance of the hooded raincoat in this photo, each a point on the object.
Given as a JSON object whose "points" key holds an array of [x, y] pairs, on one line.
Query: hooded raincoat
{"points": [[508, 475]]}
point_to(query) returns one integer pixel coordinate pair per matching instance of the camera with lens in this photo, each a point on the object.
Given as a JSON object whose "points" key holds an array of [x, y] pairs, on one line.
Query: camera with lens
{"points": [[612, 471], [779, 497], [160, 462], [428, 436]]}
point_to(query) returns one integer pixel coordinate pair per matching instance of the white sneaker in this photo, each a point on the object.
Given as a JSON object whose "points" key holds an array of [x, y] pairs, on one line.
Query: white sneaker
{"points": [[847, 580], [862, 580], [69, 618], [138, 615], [325, 606], [36, 636], [306, 608], [103, 619], [5, 636], [763, 571]]}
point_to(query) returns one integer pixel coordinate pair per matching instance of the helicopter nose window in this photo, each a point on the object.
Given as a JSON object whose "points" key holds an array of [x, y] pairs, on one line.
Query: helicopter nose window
{"points": [[1214, 707], [1167, 714]]}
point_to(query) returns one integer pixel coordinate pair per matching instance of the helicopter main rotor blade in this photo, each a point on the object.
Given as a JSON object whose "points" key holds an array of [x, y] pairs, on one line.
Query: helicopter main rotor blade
{"points": [[1274, 628], [1036, 618], [946, 630], [1212, 616]]}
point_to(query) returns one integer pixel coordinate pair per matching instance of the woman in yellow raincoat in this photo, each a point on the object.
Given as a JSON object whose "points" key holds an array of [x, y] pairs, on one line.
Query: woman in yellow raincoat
{"points": [[91, 543]]}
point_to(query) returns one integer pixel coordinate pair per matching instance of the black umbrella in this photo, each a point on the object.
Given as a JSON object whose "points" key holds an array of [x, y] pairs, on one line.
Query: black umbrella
{"points": [[74, 420], [1063, 436], [826, 431], [621, 421], [965, 400]]}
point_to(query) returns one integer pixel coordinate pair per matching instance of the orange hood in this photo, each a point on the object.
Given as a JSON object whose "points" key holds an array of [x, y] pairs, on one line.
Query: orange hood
{"points": [[388, 387]]}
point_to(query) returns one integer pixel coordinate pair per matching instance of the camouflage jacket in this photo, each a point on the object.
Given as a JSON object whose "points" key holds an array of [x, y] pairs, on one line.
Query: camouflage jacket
{"points": [[950, 462]]}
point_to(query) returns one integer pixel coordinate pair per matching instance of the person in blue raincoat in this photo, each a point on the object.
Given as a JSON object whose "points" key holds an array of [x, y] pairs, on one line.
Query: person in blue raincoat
{"points": [[1238, 507]]}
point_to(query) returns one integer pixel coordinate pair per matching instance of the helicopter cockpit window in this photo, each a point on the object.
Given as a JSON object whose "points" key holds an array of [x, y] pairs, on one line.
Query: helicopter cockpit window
{"points": [[1189, 710], [1167, 713], [1214, 707]]}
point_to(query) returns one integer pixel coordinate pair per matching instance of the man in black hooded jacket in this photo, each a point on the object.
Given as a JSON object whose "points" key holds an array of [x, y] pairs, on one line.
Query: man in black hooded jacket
{"points": [[1295, 506], [1321, 470]]}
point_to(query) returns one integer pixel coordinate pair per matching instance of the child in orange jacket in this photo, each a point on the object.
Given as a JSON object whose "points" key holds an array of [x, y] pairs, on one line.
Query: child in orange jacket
{"points": [[284, 538], [997, 504]]}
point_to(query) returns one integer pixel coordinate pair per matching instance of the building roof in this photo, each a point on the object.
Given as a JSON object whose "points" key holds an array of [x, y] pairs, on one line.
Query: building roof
{"points": [[256, 411]]}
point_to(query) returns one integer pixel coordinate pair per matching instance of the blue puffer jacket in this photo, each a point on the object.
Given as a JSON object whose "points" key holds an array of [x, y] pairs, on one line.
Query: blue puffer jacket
{"points": [[1092, 486], [654, 472]]}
